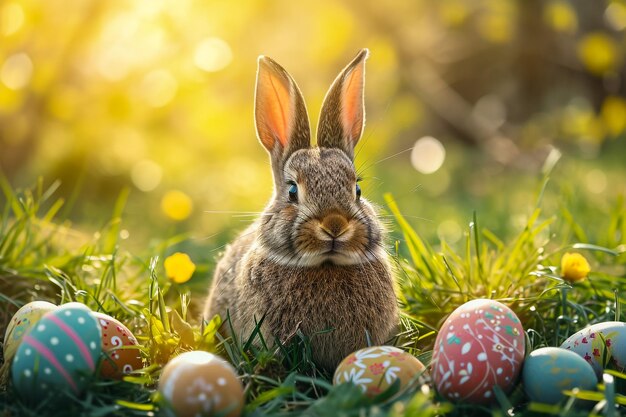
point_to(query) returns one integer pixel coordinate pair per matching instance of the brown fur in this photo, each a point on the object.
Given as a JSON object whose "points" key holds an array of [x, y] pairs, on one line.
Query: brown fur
{"points": [[319, 262]]}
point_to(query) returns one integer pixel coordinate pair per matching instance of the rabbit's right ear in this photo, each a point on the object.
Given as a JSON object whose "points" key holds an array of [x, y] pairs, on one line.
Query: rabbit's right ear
{"points": [[281, 119]]}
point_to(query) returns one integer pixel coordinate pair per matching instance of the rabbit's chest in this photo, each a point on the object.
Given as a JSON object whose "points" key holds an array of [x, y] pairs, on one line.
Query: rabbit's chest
{"points": [[321, 295]]}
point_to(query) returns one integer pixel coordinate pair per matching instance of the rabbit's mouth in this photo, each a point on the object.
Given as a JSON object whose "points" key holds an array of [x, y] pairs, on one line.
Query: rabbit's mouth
{"points": [[334, 254]]}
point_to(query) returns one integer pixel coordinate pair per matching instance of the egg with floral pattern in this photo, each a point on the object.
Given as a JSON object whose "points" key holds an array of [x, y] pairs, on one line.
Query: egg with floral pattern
{"points": [[602, 345], [199, 383], [59, 353], [21, 322], [374, 369], [480, 345], [120, 358]]}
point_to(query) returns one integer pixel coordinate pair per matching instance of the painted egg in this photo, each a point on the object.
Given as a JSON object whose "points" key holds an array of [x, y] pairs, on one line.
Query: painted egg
{"points": [[550, 371], [480, 345], [59, 353], [21, 322], [199, 383], [374, 369], [119, 357], [602, 345]]}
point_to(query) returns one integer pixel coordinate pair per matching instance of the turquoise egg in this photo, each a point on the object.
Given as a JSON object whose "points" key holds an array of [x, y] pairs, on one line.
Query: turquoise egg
{"points": [[59, 353], [549, 371]]}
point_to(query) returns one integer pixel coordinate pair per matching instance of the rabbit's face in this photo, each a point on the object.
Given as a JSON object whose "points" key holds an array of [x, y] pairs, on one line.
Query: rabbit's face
{"points": [[317, 215]]}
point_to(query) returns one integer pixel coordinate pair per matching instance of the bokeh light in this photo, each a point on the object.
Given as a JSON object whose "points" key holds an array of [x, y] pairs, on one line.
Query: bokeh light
{"points": [[11, 18], [615, 15], [449, 231], [428, 155], [599, 53], [212, 54], [561, 16], [16, 71], [146, 175], [158, 88], [176, 205], [596, 181]]}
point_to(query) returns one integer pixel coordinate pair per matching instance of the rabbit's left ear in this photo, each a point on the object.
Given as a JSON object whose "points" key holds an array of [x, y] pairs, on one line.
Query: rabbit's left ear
{"points": [[343, 112]]}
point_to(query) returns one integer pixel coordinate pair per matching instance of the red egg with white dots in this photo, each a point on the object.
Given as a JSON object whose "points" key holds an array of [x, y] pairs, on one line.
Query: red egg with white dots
{"points": [[117, 341]]}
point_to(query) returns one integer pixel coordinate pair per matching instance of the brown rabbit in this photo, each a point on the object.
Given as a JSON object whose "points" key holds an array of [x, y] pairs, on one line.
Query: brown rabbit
{"points": [[315, 258]]}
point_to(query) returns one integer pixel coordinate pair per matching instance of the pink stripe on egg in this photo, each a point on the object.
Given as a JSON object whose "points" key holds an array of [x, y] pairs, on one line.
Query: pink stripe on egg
{"points": [[79, 342], [46, 353]]}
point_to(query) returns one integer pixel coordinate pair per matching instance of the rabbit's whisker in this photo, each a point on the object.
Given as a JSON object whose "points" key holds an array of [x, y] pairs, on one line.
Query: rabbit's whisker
{"points": [[251, 213]]}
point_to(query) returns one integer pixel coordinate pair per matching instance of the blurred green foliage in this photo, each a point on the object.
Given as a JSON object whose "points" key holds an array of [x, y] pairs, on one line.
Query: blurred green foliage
{"points": [[157, 97]]}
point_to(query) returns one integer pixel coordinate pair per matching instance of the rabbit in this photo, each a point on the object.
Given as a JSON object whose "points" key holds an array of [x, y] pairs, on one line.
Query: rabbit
{"points": [[315, 258]]}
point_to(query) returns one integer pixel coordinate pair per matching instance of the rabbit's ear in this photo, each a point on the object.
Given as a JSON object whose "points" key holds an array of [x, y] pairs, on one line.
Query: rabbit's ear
{"points": [[343, 112], [282, 123]]}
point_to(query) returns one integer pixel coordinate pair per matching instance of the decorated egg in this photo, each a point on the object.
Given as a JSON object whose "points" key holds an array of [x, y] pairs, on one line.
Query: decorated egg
{"points": [[199, 383], [602, 345], [480, 345], [21, 322], [374, 369], [117, 341], [550, 371], [58, 353]]}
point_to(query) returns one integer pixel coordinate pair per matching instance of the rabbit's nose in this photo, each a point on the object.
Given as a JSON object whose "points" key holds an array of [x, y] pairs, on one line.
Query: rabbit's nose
{"points": [[334, 225]]}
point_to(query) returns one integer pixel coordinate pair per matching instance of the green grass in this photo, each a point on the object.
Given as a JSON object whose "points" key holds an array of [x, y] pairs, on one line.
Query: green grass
{"points": [[43, 257]]}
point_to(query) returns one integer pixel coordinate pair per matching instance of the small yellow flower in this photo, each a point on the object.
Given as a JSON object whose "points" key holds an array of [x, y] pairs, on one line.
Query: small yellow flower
{"points": [[574, 267], [176, 205], [179, 268]]}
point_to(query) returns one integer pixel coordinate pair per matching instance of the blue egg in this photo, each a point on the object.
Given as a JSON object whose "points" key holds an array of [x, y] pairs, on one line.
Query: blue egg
{"points": [[549, 371], [59, 353]]}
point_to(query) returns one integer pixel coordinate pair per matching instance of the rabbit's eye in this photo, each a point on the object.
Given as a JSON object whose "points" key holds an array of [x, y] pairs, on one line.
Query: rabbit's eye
{"points": [[358, 191], [293, 192]]}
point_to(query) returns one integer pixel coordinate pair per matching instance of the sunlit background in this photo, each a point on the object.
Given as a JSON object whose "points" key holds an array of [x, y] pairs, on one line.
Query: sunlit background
{"points": [[465, 100]]}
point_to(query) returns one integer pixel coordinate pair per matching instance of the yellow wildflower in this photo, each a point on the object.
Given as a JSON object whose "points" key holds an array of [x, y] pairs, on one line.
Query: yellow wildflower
{"points": [[179, 267], [574, 267]]}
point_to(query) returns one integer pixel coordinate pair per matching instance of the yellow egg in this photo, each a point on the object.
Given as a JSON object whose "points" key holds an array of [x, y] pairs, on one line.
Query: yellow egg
{"points": [[375, 369], [199, 383], [21, 322]]}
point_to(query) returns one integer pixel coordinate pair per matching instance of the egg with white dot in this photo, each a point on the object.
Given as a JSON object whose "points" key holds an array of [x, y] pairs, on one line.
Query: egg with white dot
{"points": [[199, 383], [480, 345], [120, 347], [54, 355]]}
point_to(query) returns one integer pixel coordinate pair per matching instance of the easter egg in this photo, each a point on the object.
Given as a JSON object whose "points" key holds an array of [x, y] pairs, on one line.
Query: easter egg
{"points": [[374, 369], [550, 371], [199, 383], [116, 361], [480, 345], [21, 322], [58, 354], [602, 345]]}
